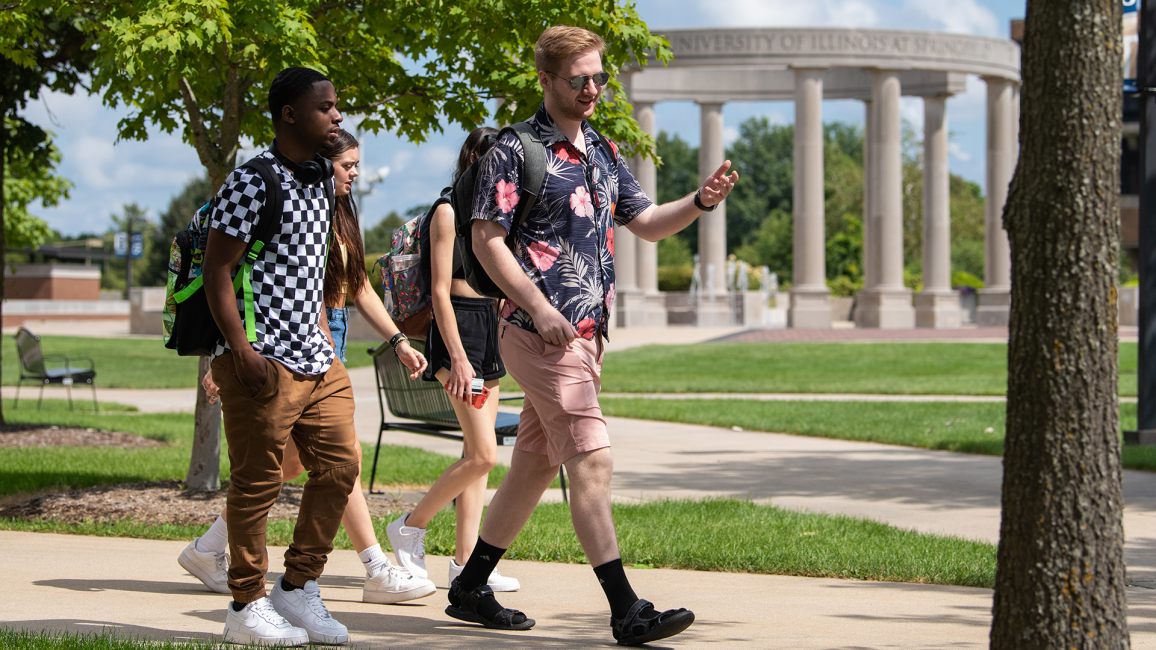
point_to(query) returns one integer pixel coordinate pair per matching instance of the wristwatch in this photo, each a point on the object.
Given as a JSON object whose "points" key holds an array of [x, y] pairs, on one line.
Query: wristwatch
{"points": [[698, 204]]}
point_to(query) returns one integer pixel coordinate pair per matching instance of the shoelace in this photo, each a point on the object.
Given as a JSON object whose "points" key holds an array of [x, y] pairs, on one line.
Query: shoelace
{"points": [[265, 610], [420, 541], [223, 562], [313, 600]]}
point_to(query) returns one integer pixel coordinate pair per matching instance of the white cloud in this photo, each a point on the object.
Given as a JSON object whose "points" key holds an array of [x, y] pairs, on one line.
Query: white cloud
{"points": [[958, 16], [911, 110], [791, 13], [957, 152], [730, 134]]}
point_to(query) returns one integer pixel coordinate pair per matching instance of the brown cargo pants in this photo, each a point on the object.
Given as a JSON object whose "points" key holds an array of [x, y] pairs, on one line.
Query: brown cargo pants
{"points": [[317, 412]]}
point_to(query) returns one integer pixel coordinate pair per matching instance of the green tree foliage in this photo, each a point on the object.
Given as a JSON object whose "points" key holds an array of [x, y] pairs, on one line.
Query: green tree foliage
{"points": [[762, 156], [203, 66], [677, 177], [29, 178], [379, 238]]}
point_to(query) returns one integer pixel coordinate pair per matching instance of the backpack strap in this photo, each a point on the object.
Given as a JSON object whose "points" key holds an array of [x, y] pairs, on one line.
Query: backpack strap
{"points": [[268, 220], [533, 171]]}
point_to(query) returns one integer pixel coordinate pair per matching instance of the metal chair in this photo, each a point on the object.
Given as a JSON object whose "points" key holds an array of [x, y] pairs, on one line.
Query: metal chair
{"points": [[427, 403], [33, 368]]}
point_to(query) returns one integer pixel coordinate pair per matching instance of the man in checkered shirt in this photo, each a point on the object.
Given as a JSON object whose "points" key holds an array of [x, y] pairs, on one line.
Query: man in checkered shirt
{"points": [[287, 384]]}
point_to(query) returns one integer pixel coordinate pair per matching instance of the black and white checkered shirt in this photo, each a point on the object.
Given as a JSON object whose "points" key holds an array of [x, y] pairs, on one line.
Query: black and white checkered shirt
{"points": [[289, 275]]}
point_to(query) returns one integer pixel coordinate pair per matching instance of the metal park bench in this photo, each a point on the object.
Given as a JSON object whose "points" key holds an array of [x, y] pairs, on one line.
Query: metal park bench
{"points": [[33, 367], [427, 404]]}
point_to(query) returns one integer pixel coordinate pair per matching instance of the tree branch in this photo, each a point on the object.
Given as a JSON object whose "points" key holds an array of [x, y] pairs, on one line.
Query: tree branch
{"points": [[201, 140]]}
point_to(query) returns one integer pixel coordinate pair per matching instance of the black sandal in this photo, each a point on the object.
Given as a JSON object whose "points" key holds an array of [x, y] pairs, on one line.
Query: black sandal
{"points": [[464, 607], [633, 630]]}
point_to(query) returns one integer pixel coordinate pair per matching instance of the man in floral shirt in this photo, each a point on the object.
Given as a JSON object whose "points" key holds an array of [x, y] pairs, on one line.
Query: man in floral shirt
{"points": [[560, 281]]}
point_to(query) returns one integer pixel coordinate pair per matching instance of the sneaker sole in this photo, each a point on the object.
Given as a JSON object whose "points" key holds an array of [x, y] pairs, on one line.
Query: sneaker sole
{"points": [[504, 588], [674, 625], [195, 570], [470, 617], [391, 597], [242, 637]]}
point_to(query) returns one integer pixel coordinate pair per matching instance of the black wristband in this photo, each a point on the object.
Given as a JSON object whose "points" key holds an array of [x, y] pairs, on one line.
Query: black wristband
{"points": [[396, 340], [698, 204]]}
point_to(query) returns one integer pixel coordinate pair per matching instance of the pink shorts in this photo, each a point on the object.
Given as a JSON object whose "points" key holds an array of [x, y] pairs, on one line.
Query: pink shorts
{"points": [[560, 415]]}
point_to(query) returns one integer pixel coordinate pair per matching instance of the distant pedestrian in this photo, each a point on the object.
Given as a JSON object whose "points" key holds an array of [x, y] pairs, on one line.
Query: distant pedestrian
{"points": [[559, 278]]}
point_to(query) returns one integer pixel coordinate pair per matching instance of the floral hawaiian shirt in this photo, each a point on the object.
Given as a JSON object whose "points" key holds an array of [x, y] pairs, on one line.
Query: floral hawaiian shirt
{"points": [[566, 245]]}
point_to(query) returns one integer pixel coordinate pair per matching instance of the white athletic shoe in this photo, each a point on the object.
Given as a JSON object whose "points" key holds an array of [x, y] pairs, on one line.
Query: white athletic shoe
{"points": [[259, 624], [304, 609], [408, 545], [497, 581], [210, 568], [393, 584]]}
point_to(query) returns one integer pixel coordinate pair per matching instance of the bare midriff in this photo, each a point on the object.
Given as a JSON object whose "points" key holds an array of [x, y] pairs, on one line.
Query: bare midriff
{"points": [[459, 287]]}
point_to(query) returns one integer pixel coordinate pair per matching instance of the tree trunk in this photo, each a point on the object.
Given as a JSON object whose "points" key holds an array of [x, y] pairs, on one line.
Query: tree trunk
{"points": [[1060, 577], [205, 457], [3, 242], [205, 460]]}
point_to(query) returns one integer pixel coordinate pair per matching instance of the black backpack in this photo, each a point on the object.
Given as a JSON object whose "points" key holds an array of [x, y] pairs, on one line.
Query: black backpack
{"points": [[530, 187], [189, 327]]}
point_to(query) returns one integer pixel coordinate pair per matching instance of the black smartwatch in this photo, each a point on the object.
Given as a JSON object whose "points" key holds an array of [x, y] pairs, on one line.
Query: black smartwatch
{"points": [[698, 204]]}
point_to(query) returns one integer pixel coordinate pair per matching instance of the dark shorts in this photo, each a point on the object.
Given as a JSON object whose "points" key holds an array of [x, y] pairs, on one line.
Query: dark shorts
{"points": [[478, 329]]}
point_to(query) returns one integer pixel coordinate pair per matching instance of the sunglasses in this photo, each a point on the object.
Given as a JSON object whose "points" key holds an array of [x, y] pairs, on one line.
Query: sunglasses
{"points": [[579, 82]]}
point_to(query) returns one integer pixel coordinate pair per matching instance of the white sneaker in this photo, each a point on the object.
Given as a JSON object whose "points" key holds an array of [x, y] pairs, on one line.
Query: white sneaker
{"points": [[393, 584], [258, 623], [303, 608], [210, 568], [408, 545], [497, 581]]}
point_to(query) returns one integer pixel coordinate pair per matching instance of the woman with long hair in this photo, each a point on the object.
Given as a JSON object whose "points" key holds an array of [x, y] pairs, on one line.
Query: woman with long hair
{"points": [[462, 345], [205, 557]]}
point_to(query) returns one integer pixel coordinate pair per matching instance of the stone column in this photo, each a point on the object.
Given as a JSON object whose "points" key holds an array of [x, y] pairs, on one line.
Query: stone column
{"points": [[638, 303], [647, 175], [886, 304], [714, 310], [869, 179], [995, 298], [936, 305], [810, 306]]}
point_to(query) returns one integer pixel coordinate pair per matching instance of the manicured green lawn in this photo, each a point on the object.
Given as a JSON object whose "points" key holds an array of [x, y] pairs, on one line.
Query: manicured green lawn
{"points": [[26, 470], [884, 368], [888, 368], [711, 535], [19, 639], [133, 363], [953, 426]]}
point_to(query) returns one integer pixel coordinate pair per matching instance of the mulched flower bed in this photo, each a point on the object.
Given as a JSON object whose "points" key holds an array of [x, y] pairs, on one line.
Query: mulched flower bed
{"points": [[158, 502], [38, 435]]}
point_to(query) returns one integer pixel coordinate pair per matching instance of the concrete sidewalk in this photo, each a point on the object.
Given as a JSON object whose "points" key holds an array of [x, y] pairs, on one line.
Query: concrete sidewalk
{"points": [[145, 592], [137, 589]]}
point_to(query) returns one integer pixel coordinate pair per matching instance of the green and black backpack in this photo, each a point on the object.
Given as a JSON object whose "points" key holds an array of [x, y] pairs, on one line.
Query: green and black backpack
{"points": [[189, 327]]}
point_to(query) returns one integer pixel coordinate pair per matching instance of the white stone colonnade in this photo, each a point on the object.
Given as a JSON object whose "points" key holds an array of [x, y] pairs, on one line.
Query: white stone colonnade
{"points": [[878, 67]]}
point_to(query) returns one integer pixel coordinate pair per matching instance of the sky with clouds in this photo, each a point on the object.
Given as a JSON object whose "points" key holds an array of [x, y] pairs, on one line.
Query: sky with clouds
{"points": [[108, 174]]}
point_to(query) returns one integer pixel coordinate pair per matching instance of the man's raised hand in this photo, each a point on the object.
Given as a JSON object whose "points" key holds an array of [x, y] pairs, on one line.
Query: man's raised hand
{"points": [[718, 185]]}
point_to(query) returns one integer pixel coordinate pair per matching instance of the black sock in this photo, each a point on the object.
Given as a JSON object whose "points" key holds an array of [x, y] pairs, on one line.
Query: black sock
{"points": [[287, 586], [618, 591], [238, 606], [480, 565]]}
